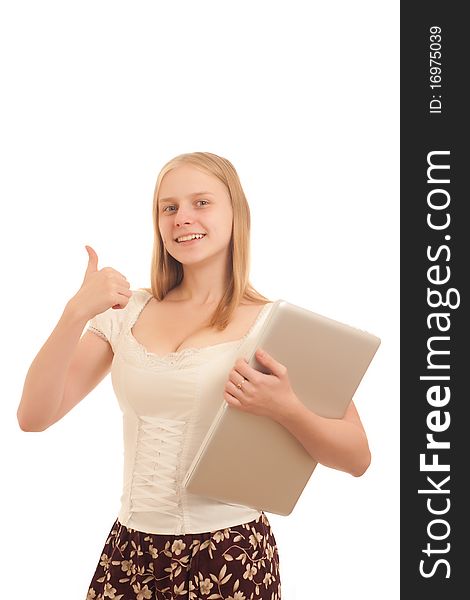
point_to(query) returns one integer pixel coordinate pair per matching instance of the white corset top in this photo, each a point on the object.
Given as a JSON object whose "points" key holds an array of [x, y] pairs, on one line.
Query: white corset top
{"points": [[168, 404], [157, 456]]}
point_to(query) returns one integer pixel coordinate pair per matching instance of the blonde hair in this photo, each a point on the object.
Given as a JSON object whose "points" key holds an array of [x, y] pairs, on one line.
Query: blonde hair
{"points": [[167, 272]]}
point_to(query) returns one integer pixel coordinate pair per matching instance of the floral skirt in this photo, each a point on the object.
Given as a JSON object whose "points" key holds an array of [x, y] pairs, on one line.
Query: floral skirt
{"points": [[237, 563]]}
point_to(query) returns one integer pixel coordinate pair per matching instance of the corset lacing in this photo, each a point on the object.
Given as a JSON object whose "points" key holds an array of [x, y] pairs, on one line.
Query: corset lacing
{"points": [[154, 481]]}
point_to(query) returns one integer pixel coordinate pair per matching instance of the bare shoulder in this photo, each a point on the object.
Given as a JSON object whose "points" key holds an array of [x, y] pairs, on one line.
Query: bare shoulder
{"points": [[252, 306], [249, 310]]}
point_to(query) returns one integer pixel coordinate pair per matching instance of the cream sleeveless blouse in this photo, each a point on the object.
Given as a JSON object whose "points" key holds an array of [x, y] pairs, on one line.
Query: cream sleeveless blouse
{"points": [[168, 403]]}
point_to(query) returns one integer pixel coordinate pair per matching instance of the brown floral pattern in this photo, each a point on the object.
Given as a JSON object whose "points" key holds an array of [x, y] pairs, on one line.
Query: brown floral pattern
{"points": [[236, 563]]}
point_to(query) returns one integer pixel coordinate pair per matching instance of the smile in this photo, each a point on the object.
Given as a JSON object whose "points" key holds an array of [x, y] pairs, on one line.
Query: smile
{"points": [[191, 241]]}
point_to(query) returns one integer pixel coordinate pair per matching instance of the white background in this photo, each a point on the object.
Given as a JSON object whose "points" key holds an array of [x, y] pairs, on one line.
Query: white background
{"points": [[302, 97]]}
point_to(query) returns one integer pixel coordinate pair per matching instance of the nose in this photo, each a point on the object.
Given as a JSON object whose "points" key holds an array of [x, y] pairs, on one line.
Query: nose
{"points": [[183, 216]]}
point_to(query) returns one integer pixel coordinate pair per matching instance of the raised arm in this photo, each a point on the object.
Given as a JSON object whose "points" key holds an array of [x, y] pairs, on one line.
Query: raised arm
{"points": [[65, 362], [69, 366]]}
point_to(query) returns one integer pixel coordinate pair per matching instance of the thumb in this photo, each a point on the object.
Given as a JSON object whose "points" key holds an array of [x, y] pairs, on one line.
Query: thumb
{"points": [[268, 361], [264, 357], [92, 266]]}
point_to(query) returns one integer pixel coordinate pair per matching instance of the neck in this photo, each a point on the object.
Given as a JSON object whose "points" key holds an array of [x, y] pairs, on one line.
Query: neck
{"points": [[202, 285]]}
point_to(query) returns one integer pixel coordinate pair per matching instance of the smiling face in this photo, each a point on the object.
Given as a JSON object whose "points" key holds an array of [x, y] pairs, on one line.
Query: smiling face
{"points": [[192, 201]]}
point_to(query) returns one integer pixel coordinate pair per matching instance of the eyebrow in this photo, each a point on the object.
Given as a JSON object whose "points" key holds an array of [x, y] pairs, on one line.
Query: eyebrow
{"points": [[190, 196]]}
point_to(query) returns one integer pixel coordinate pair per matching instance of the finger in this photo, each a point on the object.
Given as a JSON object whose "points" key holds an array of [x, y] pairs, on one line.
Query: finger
{"points": [[244, 369], [232, 401], [237, 379], [234, 390], [114, 272], [127, 294], [268, 361]]}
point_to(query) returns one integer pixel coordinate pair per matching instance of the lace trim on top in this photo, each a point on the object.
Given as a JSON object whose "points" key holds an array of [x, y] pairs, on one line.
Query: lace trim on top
{"points": [[139, 352], [97, 331]]}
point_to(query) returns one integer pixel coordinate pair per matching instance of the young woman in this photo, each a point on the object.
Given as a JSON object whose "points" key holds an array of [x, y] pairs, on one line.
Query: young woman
{"points": [[171, 349]]}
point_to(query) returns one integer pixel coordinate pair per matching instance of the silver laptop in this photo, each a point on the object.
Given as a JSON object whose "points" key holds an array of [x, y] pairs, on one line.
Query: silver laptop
{"points": [[254, 461]]}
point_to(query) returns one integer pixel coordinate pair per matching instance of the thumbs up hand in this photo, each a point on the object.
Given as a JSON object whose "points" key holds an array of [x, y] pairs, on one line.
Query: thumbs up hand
{"points": [[101, 288]]}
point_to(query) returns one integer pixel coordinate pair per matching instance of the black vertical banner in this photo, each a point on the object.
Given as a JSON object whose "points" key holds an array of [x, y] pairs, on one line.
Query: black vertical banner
{"points": [[435, 322]]}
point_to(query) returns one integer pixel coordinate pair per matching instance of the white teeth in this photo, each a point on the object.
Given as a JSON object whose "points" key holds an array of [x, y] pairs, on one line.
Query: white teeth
{"points": [[184, 238]]}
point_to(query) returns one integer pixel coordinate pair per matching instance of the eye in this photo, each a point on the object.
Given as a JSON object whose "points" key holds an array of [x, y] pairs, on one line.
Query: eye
{"points": [[172, 205]]}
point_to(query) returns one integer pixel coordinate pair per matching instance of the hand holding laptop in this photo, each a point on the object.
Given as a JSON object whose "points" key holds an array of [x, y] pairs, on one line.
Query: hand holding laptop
{"points": [[270, 395]]}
